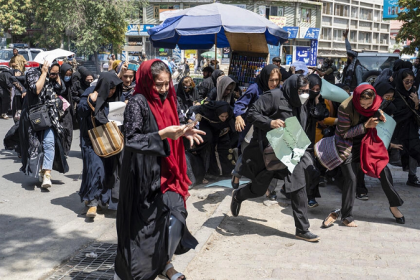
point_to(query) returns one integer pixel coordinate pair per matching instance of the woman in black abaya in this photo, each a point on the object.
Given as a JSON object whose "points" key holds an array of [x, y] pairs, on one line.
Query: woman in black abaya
{"points": [[100, 179], [66, 72]]}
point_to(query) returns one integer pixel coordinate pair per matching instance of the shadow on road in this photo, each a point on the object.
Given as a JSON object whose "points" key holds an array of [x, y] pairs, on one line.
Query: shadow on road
{"points": [[243, 225], [29, 240], [213, 198]]}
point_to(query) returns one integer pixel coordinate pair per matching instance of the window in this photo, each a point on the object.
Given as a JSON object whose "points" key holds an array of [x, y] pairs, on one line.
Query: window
{"points": [[365, 14], [156, 12], [34, 53], [353, 36], [364, 37], [274, 11], [341, 10], [354, 12], [305, 15], [327, 8], [326, 34], [338, 35]]}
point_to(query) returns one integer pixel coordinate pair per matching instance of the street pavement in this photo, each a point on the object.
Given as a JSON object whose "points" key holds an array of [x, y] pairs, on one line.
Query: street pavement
{"points": [[40, 230]]}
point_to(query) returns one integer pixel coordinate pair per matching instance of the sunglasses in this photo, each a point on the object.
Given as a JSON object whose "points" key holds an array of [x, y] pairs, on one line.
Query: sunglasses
{"points": [[389, 98], [300, 91], [408, 82], [53, 74]]}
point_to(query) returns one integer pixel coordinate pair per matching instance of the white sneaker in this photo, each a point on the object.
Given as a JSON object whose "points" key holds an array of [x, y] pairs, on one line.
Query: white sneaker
{"points": [[46, 182]]}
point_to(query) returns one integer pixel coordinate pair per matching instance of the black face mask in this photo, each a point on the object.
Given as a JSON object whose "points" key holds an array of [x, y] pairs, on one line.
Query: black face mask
{"points": [[313, 94], [163, 96], [185, 87], [86, 83]]}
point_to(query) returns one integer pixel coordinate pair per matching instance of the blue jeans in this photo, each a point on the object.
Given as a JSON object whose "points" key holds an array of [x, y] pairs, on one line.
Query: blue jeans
{"points": [[48, 145]]}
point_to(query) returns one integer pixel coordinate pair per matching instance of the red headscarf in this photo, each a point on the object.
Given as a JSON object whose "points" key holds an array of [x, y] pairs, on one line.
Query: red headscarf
{"points": [[373, 153], [173, 170]]}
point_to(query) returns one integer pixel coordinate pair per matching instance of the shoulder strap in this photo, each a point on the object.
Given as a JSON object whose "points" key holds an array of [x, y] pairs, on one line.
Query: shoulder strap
{"points": [[405, 101]]}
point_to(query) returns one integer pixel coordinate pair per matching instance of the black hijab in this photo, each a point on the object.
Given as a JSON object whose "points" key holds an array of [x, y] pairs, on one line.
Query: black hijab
{"points": [[63, 70], [313, 81], [215, 75], [187, 98], [399, 85], [106, 82], [264, 76], [84, 72], [383, 88], [212, 110], [290, 91]]}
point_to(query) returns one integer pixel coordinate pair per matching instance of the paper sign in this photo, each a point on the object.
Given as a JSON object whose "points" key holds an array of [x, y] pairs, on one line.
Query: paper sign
{"points": [[333, 92], [386, 129], [116, 112], [289, 143]]}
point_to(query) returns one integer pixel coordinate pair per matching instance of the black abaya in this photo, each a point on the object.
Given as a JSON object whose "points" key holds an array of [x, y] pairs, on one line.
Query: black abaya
{"points": [[143, 212]]}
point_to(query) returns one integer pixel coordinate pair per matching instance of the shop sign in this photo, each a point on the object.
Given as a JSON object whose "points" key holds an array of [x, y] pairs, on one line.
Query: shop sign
{"points": [[307, 54], [279, 21], [289, 59], [391, 9], [314, 53], [310, 33], [138, 29], [293, 31]]}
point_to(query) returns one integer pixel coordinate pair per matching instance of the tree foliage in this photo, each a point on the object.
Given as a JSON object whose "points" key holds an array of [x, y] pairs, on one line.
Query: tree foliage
{"points": [[90, 23], [410, 30], [14, 15]]}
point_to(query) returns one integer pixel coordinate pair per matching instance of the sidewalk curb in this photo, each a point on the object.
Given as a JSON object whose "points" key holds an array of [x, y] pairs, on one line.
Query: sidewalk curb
{"points": [[204, 234]]}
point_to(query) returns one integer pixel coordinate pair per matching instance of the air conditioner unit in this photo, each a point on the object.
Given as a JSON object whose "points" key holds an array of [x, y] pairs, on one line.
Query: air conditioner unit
{"points": [[384, 41]]}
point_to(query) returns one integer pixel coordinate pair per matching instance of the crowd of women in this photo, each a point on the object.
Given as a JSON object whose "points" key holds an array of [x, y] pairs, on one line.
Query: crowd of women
{"points": [[179, 136]]}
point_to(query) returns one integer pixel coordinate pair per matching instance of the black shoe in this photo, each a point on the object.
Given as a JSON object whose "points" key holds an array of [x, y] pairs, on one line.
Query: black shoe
{"points": [[414, 182], [235, 205], [308, 236], [398, 220], [362, 196], [322, 181], [286, 195], [234, 185], [312, 203], [272, 196]]}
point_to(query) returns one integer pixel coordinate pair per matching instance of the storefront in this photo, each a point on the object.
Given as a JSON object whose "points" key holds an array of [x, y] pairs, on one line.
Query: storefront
{"points": [[136, 38]]}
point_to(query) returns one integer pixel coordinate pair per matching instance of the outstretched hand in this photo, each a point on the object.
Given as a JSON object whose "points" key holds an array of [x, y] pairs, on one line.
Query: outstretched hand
{"points": [[194, 136]]}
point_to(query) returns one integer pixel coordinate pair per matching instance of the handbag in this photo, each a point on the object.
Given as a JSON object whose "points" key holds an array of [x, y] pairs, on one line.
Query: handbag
{"points": [[271, 162], [417, 117], [107, 140], [39, 117]]}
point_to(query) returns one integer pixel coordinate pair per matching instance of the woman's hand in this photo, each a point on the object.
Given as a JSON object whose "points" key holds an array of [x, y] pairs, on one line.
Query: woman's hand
{"points": [[415, 98], [396, 146], [371, 123], [44, 69], [277, 123], [194, 136], [239, 124], [382, 117], [93, 96], [172, 132]]}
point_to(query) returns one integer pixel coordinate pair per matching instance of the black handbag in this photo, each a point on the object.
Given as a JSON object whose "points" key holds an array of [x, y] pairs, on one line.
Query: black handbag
{"points": [[416, 116], [39, 117]]}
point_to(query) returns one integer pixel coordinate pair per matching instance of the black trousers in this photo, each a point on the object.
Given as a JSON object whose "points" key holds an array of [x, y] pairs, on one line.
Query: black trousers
{"points": [[259, 186], [5, 101], [350, 171]]}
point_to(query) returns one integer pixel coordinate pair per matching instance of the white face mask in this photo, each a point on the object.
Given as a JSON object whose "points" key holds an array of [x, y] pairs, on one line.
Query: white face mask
{"points": [[303, 97]]}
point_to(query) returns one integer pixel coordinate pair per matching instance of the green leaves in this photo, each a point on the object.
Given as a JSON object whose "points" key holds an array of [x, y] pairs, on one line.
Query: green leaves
{"points": [[91, 23], [410, 30]]}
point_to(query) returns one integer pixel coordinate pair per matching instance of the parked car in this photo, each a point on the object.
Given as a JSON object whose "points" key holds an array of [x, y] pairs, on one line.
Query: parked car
{"points": [[373, 63], [28, 54]]}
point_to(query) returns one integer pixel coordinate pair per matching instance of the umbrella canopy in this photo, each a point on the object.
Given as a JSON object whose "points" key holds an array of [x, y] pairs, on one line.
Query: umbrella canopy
{"points": [[210, 55], [50, 56], [195, 28]]}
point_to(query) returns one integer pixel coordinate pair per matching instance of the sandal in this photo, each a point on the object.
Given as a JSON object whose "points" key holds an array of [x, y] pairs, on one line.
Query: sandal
{"points": [[175, 276], [330, 220]]}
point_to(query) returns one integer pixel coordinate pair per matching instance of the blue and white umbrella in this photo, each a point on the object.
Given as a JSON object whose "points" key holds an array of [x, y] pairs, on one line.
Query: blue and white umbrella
{"points": [[203, 26]]}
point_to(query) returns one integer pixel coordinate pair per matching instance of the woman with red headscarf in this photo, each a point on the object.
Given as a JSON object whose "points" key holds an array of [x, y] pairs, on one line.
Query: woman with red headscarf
{"points": [[358, 146], [151, 217]]}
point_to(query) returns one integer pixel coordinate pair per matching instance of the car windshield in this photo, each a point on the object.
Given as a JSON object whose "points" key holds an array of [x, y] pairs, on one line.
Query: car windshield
{"points": [[378, 63], [25, 54], [6, 54]]}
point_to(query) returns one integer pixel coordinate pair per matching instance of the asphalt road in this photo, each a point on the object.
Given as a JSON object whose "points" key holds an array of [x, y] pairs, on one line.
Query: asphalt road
{"points": [[40, 229]]}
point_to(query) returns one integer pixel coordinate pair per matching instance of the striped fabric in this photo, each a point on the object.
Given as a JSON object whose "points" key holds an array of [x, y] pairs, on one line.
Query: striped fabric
{"points": [[327, 154], [107, 140]]}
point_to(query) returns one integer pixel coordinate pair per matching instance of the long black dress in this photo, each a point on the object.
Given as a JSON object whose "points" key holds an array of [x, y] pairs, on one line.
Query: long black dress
{"points": [[101, 176], [143, 212], [67, 119]]}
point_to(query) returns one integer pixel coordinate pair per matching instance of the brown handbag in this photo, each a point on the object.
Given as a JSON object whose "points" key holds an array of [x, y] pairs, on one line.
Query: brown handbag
{"points": [[271, 162], [107, 140]]}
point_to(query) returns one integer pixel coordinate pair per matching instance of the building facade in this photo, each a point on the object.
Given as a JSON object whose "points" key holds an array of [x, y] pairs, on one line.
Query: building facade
{"points": [[368, 30]]}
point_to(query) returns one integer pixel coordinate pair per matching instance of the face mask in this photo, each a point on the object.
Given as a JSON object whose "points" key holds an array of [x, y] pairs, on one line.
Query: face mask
{"points": [[303, 97], [185, 87], [163, 96], [67, 78], [313, 94]]}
